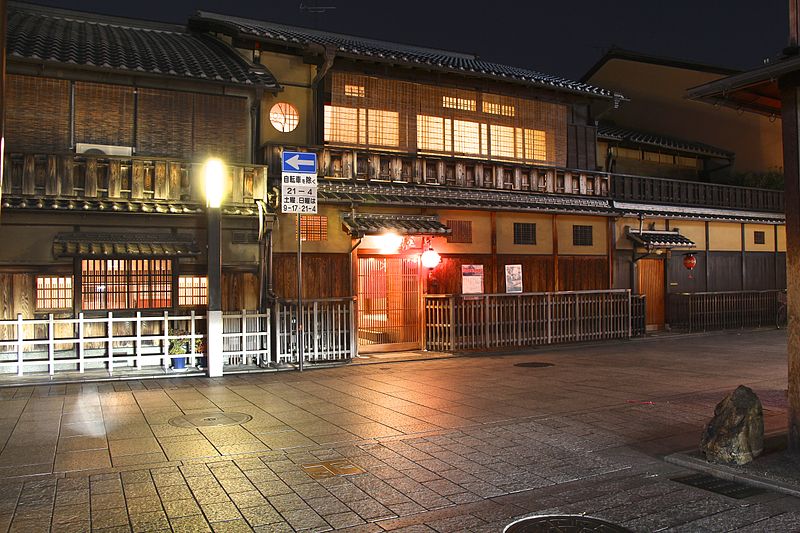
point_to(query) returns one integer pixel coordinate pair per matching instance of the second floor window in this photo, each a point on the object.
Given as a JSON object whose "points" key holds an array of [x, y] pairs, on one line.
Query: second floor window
{"points": [[313, 228], [462, 231], [582, 235], [524, 233]]}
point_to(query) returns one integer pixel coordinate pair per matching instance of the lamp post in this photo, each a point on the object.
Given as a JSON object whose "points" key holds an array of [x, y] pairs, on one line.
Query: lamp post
{"points": [[214, 174]]}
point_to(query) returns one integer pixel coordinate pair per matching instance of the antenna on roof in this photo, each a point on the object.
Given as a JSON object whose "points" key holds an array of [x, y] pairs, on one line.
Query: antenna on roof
{"points": [[314, 8]]}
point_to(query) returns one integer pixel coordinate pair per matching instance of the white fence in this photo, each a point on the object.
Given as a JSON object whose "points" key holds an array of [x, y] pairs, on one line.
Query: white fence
{"points": [[132, 342], [329, 333]]}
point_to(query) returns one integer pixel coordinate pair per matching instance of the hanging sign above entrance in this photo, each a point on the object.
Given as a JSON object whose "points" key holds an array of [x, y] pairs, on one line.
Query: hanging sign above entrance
{"points": [[299, 183]]}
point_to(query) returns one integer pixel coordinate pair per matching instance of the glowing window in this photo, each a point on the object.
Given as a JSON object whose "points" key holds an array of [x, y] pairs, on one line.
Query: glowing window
{"points": [[284, 117], [452, 102], [192, 291], [466, 137], [536, 145], [494, 108], [431, 133], [383, 128], [53, 292], [354, 90], [502, 139], [312, 228], [341, 124], [126, 284], [350, 125]]}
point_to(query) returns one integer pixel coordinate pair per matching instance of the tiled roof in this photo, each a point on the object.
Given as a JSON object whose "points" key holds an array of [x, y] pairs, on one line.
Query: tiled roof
{"points": [[617, 133], [633, 209], [123, 245], [57, 36], [387, 194], [660, 239], [382, 51], [106, 205], [362, 224]]}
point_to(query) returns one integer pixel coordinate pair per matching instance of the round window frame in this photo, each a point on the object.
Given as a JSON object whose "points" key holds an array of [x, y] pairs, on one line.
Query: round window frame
{"points": [[291, 117]]}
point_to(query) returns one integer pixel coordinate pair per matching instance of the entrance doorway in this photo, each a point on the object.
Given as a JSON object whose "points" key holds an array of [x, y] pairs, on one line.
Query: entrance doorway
{"points": [[389, 303], [651, 284]]}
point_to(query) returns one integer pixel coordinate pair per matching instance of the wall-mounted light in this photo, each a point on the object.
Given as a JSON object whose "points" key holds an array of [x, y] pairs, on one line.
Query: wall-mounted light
{"points": [[214, 174], [390, 243]]}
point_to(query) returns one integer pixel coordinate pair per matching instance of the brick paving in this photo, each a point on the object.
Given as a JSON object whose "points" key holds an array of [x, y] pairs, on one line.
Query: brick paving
{"points": [[460, 444]]}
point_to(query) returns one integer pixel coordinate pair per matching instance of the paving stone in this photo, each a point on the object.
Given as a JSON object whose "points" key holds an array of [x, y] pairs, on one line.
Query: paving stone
{"points": [[262, 515], [218, 512], [189, 524]]}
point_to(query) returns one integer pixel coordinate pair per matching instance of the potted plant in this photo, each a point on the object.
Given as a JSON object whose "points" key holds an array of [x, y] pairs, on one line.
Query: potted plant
{"points": [[178, 346]]}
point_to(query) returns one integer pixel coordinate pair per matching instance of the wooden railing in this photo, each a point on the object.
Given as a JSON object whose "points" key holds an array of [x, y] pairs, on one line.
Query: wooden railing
{"points": [[124, 178], [638, 315], [113, 342], [692, 193], [329, 331], [485, 321], [707, 311]]}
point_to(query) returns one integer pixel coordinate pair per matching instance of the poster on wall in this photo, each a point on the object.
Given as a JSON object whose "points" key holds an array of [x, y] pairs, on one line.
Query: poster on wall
{"points": [[513, 278], [472, 279]]}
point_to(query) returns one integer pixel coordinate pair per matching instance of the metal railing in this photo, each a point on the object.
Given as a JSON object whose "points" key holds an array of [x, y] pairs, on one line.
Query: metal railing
{"points": [[329, 333], [468, 322], [706, 311]]}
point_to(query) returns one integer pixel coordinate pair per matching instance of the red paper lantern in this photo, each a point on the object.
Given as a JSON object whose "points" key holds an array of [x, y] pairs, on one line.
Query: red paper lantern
{"points": [[689, 261]]}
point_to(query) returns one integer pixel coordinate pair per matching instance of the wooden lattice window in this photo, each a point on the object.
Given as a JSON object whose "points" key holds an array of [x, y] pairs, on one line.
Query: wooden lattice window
{"points": [[581, 235], [454, 102], [53, 293], [192, 291], [462, 231], [312, 228], [524, 233], [126, 284], [759, 237], [358, 91]]}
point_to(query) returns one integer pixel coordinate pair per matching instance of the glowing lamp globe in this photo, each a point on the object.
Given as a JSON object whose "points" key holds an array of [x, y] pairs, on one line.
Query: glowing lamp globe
{"points": [[430, 258], [689, 261], [390, 243]]}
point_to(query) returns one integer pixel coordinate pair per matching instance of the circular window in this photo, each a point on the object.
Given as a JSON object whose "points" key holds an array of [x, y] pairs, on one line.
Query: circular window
{"points": [[284, 117]]}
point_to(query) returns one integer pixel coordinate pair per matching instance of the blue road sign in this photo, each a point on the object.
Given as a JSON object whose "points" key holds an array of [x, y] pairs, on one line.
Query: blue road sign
{"points": [[303, 162]]}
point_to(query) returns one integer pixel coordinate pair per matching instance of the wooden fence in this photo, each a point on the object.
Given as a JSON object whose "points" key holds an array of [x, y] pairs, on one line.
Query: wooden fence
{"points": [[707, 311], [470, 322], [132, 342], [329, 333]]}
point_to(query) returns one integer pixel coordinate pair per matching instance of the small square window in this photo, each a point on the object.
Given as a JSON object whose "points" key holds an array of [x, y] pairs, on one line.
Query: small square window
{"points": [[462, 231], [53, 293], [524, 233], [313, 228], [759, 237], [581, 235], [192, 291]]}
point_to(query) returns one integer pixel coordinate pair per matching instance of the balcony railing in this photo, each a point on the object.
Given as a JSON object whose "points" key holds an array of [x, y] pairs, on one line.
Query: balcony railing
{"points": [[124, 178], [369, 165]]}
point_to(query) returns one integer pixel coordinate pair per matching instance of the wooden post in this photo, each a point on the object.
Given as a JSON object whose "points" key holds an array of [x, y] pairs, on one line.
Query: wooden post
{"points": [[110, 340], [29, 176], [138, 346], [161, 191], [20, 337], [52, 186], [51, 354], [555, 253], [137, 180], [68, 178], [174, 181], [114, 178], [90, 178]]}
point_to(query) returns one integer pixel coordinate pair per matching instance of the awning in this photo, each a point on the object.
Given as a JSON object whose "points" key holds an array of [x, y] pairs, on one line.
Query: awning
{"points": [[362, 224], [653, 239], [123, 245]]}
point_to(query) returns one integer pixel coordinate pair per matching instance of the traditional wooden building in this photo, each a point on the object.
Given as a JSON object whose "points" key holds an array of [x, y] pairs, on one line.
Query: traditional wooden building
{"points": [[424, 154]]}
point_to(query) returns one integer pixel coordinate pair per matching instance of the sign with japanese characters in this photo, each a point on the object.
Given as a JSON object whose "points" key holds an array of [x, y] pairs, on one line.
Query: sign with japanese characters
{"points": [[299, 183]]}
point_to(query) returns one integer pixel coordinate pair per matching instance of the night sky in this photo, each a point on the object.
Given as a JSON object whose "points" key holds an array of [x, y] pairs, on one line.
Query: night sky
{"points": [[560, 37]]}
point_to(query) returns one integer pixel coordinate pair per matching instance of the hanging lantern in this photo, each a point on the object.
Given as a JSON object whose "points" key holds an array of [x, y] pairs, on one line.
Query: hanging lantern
{"points": [[430, 258], [689, 261]]}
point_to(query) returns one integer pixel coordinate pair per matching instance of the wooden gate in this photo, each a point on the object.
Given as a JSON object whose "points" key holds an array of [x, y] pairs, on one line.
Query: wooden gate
{"points": [[388, 303], [651, 284]]}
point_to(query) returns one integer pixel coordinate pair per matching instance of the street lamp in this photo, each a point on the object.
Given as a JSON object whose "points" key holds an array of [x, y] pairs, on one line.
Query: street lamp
{"points": [[214, 177]]}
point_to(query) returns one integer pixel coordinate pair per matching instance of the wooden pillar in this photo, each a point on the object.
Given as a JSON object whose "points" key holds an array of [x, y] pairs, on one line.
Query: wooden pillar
{"points": [[611, 238], [775, 256], [708, 259], [791, 168], [493, 260], [744, 258], [555, 253]]}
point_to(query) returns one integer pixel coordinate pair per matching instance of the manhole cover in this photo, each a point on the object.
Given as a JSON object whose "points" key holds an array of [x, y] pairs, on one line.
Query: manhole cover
{"points": [[209, 420], [563, 524], [732, 489], [534, 364]]}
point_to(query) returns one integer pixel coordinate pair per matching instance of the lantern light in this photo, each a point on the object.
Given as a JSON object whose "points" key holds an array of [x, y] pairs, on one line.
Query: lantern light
{"points": [[214, 173], [390, 243], [689, 261], [430, 258]]}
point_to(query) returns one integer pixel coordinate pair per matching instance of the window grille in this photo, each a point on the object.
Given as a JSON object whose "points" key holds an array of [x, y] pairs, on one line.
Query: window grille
{"points": [[358, 91], [524, 233], [759, 237], [312, 228], [462, 231], [126, 284], [494, 108], [453, 102], [53, 292], [581, 235], [192, 291]]}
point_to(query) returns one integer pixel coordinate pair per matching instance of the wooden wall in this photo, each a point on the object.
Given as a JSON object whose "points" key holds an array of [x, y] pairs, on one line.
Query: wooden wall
{"points": [[582, 273], [16, 295], [324, 275], [239, 291]]}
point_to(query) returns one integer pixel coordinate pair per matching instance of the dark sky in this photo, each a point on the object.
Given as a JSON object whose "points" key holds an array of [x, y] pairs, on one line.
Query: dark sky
{"points": [[563, 37]]}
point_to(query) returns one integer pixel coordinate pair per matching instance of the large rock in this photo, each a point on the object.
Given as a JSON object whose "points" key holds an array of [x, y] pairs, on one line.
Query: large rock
{"points": [[736, 433]]}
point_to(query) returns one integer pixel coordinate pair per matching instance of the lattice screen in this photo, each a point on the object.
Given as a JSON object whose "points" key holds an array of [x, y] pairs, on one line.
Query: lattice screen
{"points": [[412, 117]]}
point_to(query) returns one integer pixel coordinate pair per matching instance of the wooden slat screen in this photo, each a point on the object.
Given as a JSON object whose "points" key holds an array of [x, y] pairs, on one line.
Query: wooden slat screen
{"points": [[164, 123], [103, 114], [39, 102], [412, 117], [220, 127]]}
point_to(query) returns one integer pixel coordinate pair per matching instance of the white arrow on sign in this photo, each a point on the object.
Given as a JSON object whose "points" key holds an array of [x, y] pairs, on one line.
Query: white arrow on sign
{"points": [[295, 162]]}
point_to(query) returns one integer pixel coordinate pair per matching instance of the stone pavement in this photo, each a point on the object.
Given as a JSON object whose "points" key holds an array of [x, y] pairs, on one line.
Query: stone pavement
{"points": [[459, 444]]}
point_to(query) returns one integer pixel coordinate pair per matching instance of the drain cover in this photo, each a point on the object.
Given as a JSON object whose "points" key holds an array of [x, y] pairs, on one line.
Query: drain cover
{"points": [[209, 420], [732, 489], [534, 364], [563, 523], [326, 469]]}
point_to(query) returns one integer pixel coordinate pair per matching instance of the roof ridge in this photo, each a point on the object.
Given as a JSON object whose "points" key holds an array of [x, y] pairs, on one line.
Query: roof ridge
{"points": [[87, 17]]}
